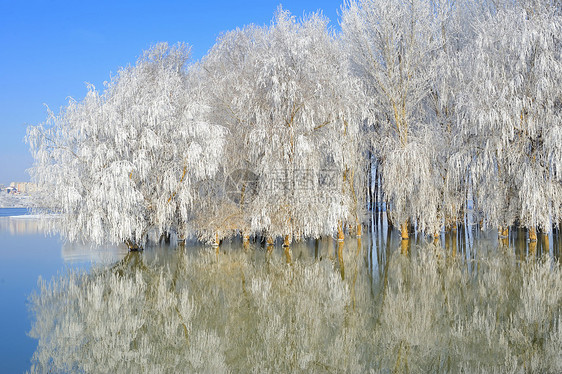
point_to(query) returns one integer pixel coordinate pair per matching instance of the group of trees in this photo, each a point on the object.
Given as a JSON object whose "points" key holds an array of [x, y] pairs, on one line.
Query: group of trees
{"points": [[456, 103]]}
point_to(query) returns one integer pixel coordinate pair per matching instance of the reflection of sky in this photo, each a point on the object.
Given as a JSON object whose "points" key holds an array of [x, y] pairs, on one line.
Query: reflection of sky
{"points": [[21, 225], [73, 253], [25, 254]]}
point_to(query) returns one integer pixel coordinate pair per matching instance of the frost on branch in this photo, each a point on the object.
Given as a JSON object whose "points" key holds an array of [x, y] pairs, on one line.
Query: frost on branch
{"points": [[514, 116], [284, 95], [123, 162], [275, 132]]}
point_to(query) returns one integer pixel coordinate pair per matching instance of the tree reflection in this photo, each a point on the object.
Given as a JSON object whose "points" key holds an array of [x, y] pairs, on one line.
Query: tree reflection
{"points": [[251, 311]]}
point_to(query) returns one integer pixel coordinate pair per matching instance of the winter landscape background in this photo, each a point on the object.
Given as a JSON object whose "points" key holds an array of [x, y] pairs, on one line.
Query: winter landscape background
{"points": [[380, 192]]}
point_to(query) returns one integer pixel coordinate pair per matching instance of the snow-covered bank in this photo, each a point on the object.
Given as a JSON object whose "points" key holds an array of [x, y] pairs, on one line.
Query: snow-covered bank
{"points": [[15, 201], [35, 216]]}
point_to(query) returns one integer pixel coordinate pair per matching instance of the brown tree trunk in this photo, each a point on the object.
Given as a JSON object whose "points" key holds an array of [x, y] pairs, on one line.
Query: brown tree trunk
{"points": [[503, 232], [340, 231], [503, 235], [532, 248], [216, 241], [359, 230], [269, 244], [405, 246], [404, 231], [132, 246], [532, 234], [287, 241], [288, 254], [545, 243]]}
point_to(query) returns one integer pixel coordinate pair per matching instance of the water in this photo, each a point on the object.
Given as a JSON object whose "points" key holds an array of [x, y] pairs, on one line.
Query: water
{"points": [[25, 254], [9, 212], [468, 303]]}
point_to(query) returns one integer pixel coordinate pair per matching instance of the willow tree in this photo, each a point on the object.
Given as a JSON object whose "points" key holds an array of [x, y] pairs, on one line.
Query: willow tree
{"points": [[123, 163], [514, 116], [391, 45], [283, 93]]}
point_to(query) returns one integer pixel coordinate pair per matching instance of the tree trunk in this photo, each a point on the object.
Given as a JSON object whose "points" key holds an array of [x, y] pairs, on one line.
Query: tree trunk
{"points": [[270, 241], [340, 231], [288, 254], [532, 248], [436, 238], [503, 235], [405, 246], [216, 241], [132, 246], [532, 234], [503, 232], [287, 241], [454, 241], [269, 244], [404, 231], [359, 229], [545, 243]]}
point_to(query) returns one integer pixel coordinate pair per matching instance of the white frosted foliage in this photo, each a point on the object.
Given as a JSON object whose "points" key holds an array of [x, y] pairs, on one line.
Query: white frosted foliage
{"points": [[123, 162], [512, 101]]}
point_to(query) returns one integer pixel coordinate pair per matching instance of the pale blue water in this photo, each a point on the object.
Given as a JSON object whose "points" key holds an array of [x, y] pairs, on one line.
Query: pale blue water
{"points": [[26, 253], [8, 212]]}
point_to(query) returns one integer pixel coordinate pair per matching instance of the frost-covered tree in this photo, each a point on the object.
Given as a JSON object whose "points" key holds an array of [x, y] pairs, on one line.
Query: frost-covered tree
{"points": [[124, 163], [284, 94], [513, 115], [450, 28], [395, 48]]}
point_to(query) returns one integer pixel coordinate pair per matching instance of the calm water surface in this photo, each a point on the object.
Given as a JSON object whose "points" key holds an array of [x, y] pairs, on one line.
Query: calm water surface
{"points": [[26, 254], [8, 212], [467, 303]]}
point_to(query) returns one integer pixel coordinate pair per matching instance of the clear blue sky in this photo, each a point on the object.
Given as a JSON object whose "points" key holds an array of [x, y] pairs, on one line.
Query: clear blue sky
{"points": [[49, 50]]}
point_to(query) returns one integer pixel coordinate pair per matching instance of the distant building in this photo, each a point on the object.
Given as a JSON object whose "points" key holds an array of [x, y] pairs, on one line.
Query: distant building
{"points": [[11, 190], [22, 187]]}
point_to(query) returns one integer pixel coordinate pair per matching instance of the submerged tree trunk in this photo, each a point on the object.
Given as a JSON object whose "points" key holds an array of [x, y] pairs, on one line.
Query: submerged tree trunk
{"points": [[404, 230], [532, 234], [270, 241], [216, 241], [287, 241], [405, 246], [340, 231], [503, 232], [545, 243], [181, 241], [288, 254], [132, 246], [359, 229], [269, 244], [532, 248], [503, 235]]}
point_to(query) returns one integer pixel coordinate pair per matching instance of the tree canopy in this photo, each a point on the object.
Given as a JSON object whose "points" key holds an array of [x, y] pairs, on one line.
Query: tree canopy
{"points": [[274, 132]]}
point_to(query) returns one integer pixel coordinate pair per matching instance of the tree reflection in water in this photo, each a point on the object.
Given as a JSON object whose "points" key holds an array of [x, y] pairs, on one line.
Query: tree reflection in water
{"points": [[329, 309]]}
